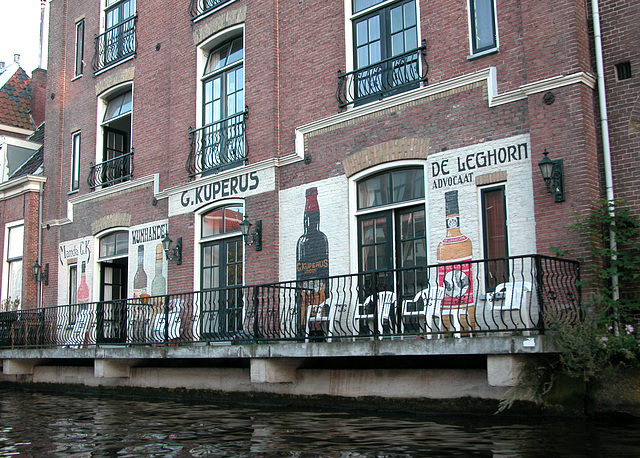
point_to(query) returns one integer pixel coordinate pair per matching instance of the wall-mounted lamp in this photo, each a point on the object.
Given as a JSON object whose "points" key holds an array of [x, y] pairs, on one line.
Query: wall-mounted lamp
{"points": [[40, 275], [176, 253], [254, 238], [553, 175]]}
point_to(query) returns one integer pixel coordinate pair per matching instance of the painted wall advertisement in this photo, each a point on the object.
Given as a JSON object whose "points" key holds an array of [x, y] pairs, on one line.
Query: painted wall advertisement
{"points": [[148, 265], [76, 271]]}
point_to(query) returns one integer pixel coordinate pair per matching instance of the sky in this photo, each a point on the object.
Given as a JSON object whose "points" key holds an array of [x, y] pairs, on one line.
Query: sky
{"points": [[20, 33]]}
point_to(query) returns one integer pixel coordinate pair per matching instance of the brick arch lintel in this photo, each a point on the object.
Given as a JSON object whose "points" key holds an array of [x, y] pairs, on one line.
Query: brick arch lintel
{"points": [[121, 219], [394, 150]]}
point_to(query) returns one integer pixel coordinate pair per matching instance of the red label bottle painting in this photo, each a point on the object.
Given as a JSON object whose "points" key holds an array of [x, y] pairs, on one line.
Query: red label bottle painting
{"points": [[312, 256], [456, 248]]}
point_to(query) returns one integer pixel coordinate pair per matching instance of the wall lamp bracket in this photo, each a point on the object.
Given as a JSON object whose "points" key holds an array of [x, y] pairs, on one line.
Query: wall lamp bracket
{"points": [[176, 252], [553, 175], [252, 238], [40, 274]]}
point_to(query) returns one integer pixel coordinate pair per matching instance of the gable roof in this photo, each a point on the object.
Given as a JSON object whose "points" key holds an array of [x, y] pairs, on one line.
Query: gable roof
{"points": [[33, 165], [15, 98]]}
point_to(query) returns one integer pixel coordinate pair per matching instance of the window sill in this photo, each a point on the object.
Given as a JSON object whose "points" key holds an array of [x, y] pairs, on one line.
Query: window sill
{"points": [[77, 77], [483, 53], [114, 64], [75, 191]]}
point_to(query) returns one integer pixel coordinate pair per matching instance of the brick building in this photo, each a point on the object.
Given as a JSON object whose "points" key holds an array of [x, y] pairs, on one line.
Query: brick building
{"points": [[397, 123], [21, 136]]}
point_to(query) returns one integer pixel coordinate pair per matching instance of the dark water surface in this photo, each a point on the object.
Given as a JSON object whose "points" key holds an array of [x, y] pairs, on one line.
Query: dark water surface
{"points": [[42, 425]]}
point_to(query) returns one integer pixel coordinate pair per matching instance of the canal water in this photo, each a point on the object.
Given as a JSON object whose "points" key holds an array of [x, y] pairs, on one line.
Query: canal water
{"points": [[46, 425]]}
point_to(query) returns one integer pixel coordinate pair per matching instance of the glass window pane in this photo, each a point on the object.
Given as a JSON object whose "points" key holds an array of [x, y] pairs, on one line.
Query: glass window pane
{"points": [[212, 223], [16, 242], [374, 28], [359, 5], [411, 39], [367, 258], [381, 229], [232, 218], [397, 44], [396, 19], [367, 232], [363, 57], [410, 19], [373, 191], [375, 52], [362, 36], [484, 24]]}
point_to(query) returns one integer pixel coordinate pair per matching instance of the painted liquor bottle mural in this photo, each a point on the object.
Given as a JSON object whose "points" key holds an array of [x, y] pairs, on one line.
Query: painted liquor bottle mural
{"points": [[456, 279], [312, 255], [83, 289], [140, 278]]}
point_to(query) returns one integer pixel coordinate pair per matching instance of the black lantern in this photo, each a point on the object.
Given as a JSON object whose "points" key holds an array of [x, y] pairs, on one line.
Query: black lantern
{"points": [[176, 253], [40, 275], [252, 238], [553, 175]]}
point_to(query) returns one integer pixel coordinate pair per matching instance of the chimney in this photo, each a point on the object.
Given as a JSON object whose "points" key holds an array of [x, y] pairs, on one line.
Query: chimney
{"points": [[38, 95], [16, 58]]}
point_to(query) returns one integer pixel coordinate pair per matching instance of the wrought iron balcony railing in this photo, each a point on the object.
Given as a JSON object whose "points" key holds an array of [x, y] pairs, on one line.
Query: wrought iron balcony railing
{"points": [[112, 171], [218, 146], [115, 44], [420, 301], [382, 79], [200, 7]]}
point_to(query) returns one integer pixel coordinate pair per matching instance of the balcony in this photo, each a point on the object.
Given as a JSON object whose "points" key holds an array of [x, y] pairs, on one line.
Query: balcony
{"points": [[112, 171], [391, 305], [115, 44], [382, 79], [218, 146], [199, 7]]}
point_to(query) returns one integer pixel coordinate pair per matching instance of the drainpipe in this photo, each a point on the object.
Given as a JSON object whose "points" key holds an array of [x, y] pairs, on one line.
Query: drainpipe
{"points": [[606, 145], [39, 289]]}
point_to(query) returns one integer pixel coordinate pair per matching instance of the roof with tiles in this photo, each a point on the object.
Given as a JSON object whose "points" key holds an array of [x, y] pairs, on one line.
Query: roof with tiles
{"points": [[15, 98]]}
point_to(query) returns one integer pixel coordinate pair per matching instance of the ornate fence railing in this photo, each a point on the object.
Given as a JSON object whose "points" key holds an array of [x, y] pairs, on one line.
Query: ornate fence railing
{"points": [[112, 171], [199, 7], [115, 44], [218, 145], [382, 79], [499, 297]]}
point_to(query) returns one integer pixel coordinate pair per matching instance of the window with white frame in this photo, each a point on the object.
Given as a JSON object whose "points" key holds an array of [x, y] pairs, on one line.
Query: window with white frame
{"points": [[14, 246], [386, 50], [118, 41], [79, 54], [220, 142], [75, 161], [114, 161], [483, 26]]}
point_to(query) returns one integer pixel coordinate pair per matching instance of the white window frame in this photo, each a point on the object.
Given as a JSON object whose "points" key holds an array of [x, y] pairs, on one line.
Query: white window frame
{"points": [[471, 18], [103, 103], [201, 61], [76, 145], [79, 49], [8, 261], [350, 17]]}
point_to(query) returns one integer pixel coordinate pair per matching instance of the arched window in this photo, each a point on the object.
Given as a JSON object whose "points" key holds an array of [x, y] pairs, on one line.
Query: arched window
{"points": [[392, 225], [221, 272]]}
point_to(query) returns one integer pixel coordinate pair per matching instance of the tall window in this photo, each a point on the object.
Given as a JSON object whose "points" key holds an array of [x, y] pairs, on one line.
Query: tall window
{"points": [[75, 161], [118, 40], [111, 311], [482, 14], [73, 293], [115, 166], [385, 47], [79, 48], [12, 291], [220, 143], [222, 255], [494, 223], [394, 237]]}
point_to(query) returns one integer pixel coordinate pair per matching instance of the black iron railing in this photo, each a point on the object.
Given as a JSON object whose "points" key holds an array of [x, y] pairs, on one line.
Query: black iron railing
{"points": [[218, 146], [115, 44], [112, 171], [382, 79], [200, 7], [406, 302]]}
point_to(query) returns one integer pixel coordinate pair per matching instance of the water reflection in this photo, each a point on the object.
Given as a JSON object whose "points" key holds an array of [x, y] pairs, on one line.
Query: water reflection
{"points": [[39, 425]]}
